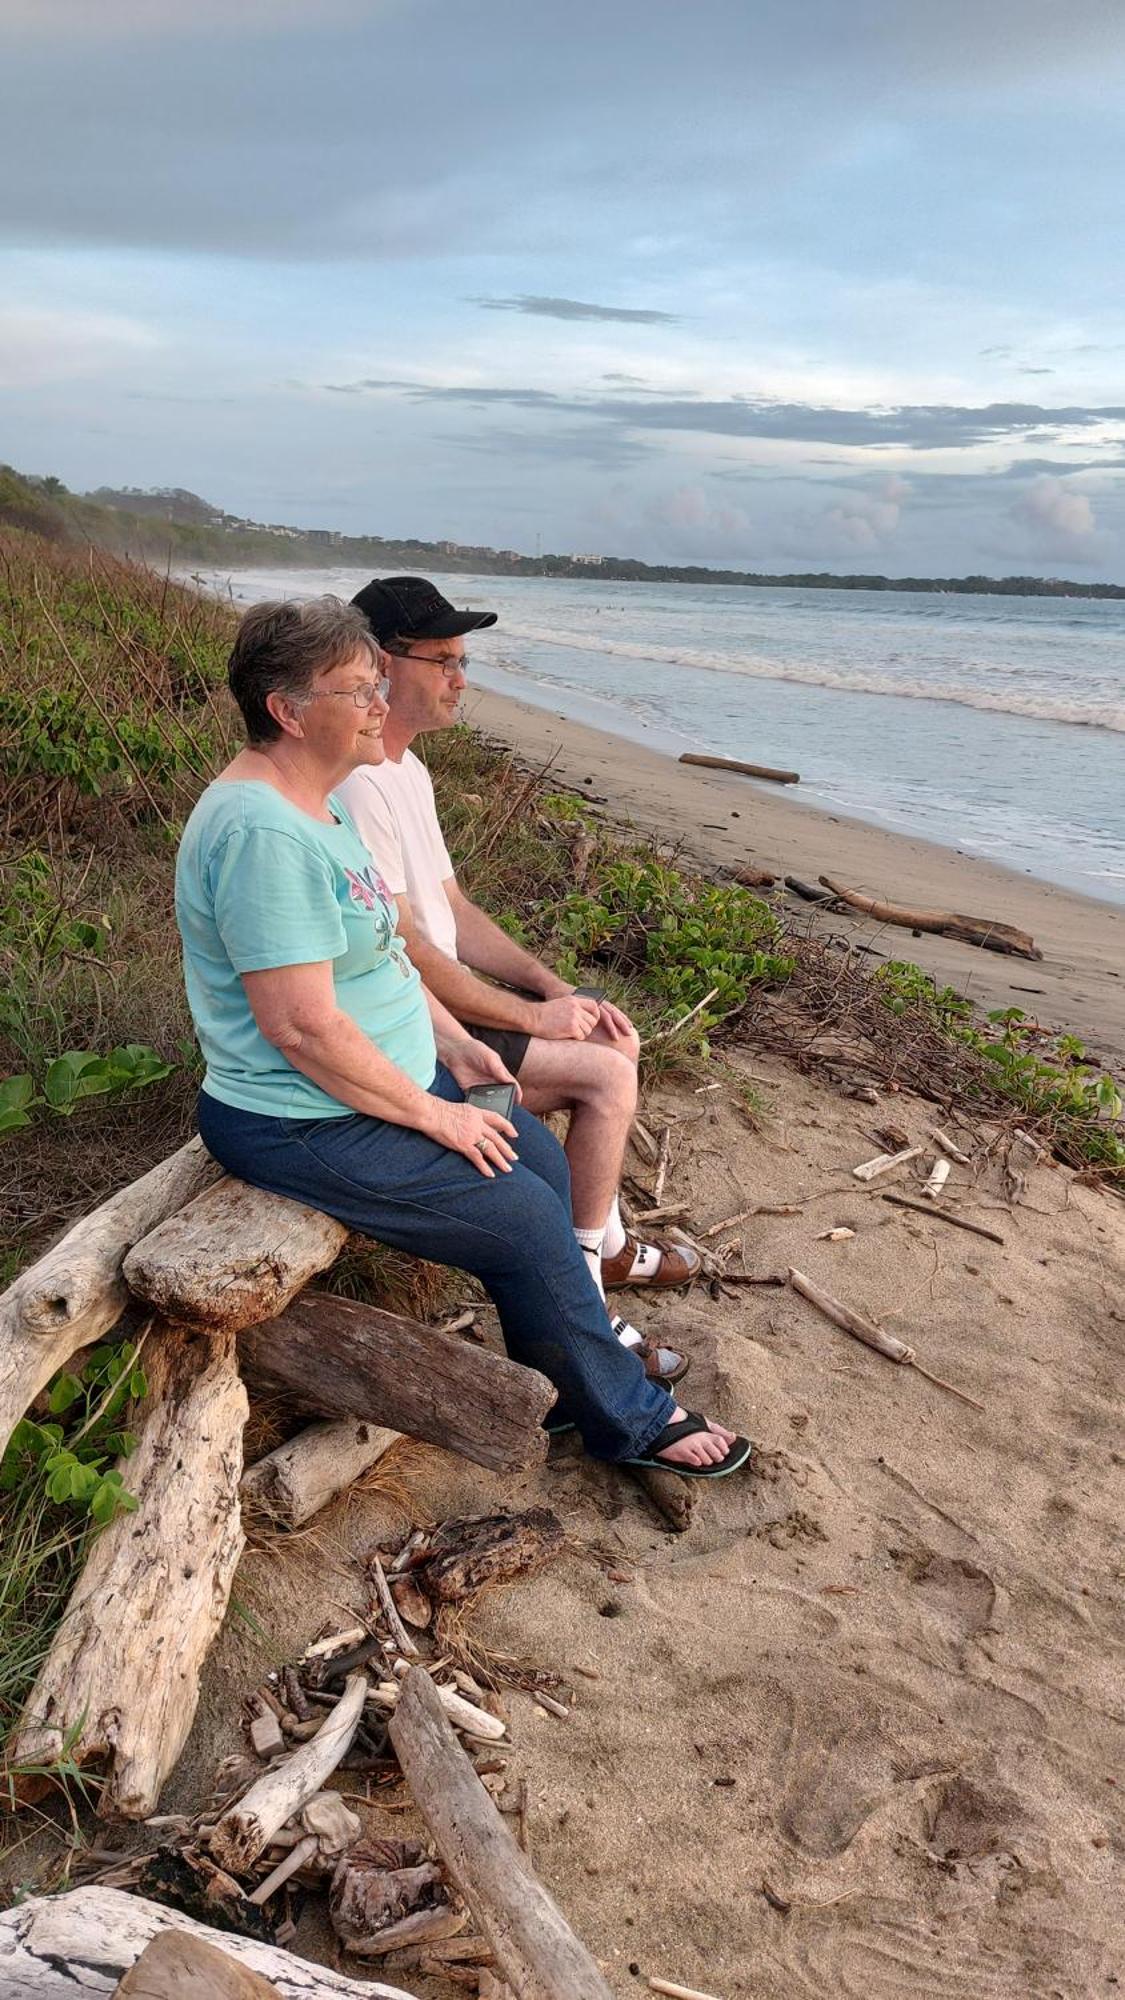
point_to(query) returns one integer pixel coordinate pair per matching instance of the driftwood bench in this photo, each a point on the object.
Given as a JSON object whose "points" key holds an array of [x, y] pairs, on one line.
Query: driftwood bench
{"points": [[222, 1269]]}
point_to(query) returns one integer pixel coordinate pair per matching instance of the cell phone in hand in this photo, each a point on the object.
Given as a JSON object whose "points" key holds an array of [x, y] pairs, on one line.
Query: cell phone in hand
{"points": [[492, 1097], [589, 992]]}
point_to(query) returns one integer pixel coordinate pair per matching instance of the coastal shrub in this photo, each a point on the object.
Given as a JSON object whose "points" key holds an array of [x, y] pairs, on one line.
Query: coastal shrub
{"points": [[687, 941], [1046, 1076], [78, 1074]]}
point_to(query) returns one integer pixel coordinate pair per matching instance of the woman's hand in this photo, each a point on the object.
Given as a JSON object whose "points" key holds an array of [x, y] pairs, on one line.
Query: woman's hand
{"points": [[482, 1136], [474, 1062]]}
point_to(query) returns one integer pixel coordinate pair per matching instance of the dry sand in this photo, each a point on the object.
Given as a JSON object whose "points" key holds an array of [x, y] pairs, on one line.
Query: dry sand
{"points": [[719, 817], [879, 1680], [882, 1675]]}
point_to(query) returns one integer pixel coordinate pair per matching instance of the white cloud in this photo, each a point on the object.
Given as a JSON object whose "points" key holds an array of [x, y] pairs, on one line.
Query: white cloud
{"points": [[1058, 515], [39, 347], [865, 520], [692, 528]]}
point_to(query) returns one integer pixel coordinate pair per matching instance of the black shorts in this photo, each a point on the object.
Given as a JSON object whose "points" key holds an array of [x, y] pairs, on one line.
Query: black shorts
{"points": [[510, 1044]]}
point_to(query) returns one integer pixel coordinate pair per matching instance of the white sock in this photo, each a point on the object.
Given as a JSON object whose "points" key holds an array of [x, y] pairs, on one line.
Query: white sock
{"points": [[626, 1334], [590, 1243], [614, 1232]]}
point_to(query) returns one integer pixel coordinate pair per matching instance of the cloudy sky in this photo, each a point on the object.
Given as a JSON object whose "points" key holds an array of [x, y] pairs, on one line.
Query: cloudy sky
{"points": [[777, 283]]}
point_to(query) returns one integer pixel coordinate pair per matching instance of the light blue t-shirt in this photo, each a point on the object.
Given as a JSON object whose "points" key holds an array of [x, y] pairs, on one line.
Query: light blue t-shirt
{"points": [[259, 883]]}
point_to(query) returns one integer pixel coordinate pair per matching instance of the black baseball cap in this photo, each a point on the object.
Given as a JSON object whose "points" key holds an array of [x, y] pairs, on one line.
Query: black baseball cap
{"points": [[411, 607]]}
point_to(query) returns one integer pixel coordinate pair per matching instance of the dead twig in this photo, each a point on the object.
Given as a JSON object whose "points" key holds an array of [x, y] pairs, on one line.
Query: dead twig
{"points": [[943, 1215], [871, 1335]]}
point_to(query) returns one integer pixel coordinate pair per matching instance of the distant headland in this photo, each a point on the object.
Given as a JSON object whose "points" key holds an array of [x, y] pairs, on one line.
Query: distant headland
{"points": [[171, 524]]}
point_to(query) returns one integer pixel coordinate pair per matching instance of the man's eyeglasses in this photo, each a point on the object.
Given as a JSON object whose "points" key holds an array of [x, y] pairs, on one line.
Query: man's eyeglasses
{"points": [[362, 696], [451, 664]]}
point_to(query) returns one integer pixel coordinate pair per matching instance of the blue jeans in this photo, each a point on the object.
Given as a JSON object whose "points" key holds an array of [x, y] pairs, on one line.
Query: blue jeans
{"points": [[514, 1233]]}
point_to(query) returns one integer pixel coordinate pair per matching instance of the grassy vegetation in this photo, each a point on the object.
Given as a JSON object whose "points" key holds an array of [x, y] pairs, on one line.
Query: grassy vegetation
{"points": [[113, 715]]}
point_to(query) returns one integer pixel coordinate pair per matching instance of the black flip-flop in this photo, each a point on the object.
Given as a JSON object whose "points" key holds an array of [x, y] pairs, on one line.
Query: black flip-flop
{"points": [[693, 1425]]}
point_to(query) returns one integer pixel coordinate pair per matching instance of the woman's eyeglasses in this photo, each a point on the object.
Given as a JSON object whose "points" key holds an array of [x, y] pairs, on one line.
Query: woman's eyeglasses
{"points": [[362, 696]]}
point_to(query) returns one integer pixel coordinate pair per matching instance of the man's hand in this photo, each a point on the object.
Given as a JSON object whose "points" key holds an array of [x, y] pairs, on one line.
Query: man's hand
{"points": [[616, 1026], [474, 1062], [570, 1018]]}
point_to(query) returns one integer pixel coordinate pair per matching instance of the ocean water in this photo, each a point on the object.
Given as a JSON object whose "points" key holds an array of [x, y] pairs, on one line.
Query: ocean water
{"points": [[995, 725]]}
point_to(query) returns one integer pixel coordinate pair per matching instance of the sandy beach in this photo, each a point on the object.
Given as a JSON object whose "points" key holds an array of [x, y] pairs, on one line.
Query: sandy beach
{"points": [[858, 1731], [720, 818]]}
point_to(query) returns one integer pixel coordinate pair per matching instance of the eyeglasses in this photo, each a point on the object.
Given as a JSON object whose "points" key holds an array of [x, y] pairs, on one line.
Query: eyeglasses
{"points": [[451, 664], [362, 696]]}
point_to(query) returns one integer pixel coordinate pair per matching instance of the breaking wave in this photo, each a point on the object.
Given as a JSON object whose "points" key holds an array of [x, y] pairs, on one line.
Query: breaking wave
{"points": [[1089, 713]]}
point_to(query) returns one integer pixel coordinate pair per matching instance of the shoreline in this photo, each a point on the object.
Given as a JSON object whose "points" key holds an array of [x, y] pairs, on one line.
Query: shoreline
{"points": [[722, 819]]}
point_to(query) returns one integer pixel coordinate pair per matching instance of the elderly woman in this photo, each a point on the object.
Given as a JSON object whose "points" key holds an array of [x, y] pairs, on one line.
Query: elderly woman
{"points": [[322, 1047]]}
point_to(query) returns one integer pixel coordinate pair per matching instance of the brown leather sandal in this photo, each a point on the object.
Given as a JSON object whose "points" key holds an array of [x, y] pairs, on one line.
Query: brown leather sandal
{"points": [[671, 1264]]}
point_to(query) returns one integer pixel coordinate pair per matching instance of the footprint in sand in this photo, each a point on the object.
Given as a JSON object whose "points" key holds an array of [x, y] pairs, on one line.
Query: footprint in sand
{"points": [[955, 1595]]}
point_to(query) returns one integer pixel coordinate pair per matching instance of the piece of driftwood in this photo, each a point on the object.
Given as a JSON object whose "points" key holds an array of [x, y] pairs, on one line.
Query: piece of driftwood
{"points": [[175, 1966], [885, 1163], [945, 923], [233, 1256], [662, 1160], [936, 1179], [389, 1608], [247, 1827], [76, 1292], [120, 1682], [536, 1950], [672, 1496], [77, 1946], [943, 1140], [292, 1483], [303, 1851], [464, 1715], [806, 891], [674, 1992], [342, 1358], [462, 1555], [747, 770], [871, 1335], [943, 1215], [386, 1895]]}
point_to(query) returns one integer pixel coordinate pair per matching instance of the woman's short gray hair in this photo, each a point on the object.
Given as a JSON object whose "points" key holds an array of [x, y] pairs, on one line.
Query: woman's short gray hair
{"points": [[282, 648]]}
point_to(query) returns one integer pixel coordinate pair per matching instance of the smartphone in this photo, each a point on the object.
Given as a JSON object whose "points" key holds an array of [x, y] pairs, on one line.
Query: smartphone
{"points": [[492, 1097], [589, 992]]}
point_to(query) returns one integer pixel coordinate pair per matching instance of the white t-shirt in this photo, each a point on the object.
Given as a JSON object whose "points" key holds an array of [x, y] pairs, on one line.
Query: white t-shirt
{"points": [[394, 812]]}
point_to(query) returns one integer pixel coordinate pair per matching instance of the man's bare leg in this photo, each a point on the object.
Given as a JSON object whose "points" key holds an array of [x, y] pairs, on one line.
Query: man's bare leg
{"points": [[598, 1086]]}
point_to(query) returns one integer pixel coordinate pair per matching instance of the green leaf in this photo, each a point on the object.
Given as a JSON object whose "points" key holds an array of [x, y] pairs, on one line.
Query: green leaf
{"points": [[65, 1391], [138, 1384], [16, 1093]]}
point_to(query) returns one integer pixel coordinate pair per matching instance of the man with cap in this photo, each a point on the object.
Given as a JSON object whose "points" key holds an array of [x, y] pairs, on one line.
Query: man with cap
{"points": [[569, 1052]]}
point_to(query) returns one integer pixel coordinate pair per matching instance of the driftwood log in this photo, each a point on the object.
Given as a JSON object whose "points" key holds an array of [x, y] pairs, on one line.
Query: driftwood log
{"points": [[120, 1682], [231, 1257], [341, 1358], [77, 1292], [672, 1496], [945, 923], [77, 1946], [292, 1483], [535, 1948], [464, 1556], [748, 770]]}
